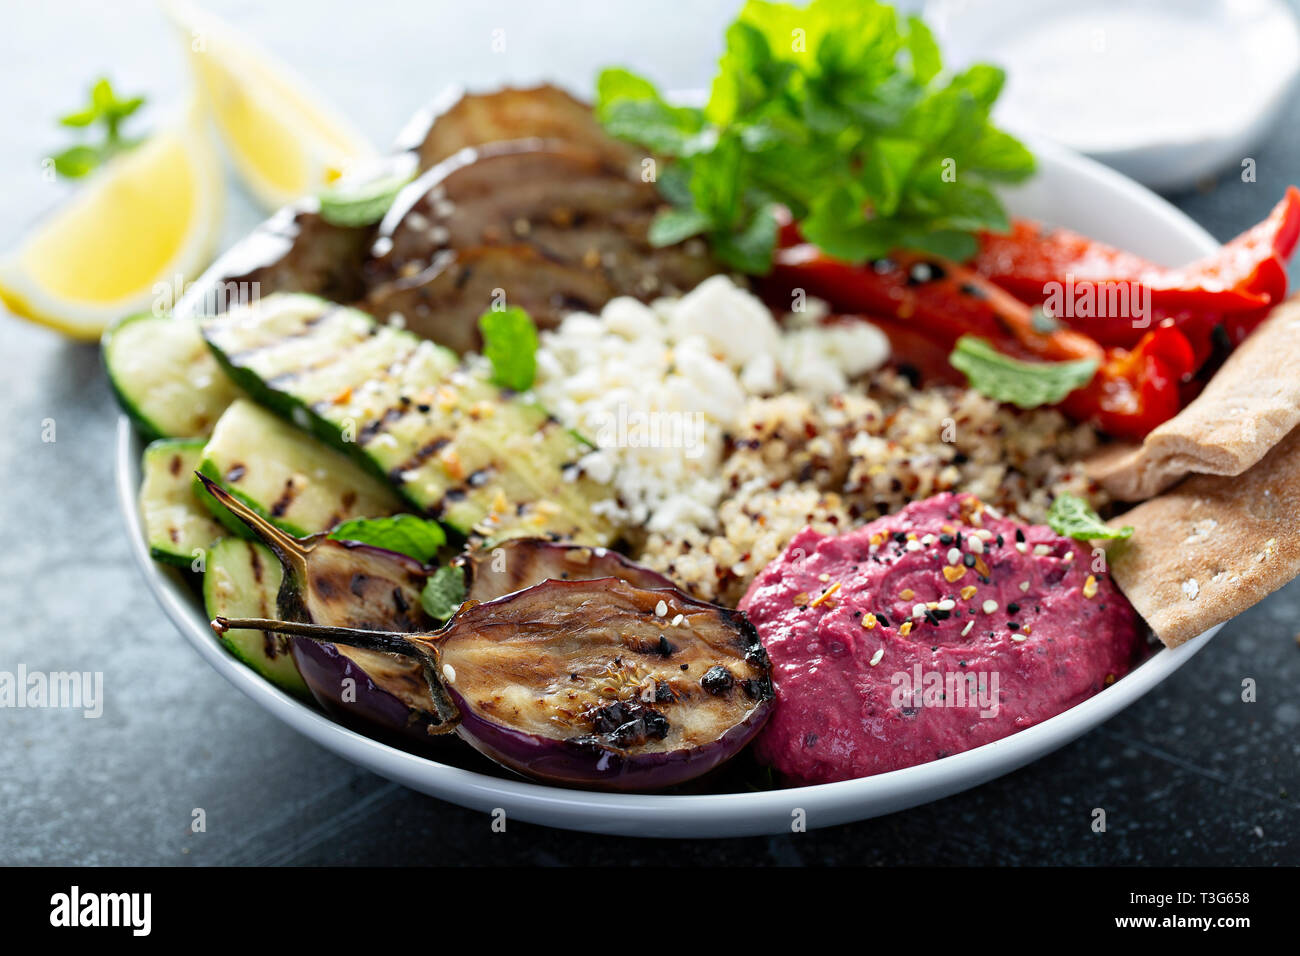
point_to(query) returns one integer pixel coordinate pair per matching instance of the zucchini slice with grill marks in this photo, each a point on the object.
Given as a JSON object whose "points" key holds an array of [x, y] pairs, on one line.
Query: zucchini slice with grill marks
{"points": [[287, 476], [481, 459], [176, 526], [245, 576], [164, 378]]}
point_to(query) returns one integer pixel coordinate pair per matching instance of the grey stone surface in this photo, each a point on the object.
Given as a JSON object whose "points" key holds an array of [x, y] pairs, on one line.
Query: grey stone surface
{"points": [[1188, 775]]}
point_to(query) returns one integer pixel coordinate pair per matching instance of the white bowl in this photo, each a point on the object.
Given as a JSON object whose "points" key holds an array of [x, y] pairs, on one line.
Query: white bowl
{"points": [[1068, 191]]}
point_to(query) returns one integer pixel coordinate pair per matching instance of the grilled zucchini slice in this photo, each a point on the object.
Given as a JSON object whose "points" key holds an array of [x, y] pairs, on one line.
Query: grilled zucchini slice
{"points": [[478, 458], [164, 377], [287, 476], [176, 526]]}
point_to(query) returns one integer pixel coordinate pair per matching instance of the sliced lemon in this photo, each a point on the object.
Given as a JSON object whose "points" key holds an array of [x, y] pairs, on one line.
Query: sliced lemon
{"points": [[149, 216], [284, 140]]}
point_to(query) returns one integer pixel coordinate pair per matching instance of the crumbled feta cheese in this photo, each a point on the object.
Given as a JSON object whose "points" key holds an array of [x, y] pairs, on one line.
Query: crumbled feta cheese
{"points": [[659, 388]]}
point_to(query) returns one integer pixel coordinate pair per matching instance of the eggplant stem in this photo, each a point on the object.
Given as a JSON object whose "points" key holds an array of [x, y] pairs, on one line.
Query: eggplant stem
{"points": [[395, 642], [277, 540]]}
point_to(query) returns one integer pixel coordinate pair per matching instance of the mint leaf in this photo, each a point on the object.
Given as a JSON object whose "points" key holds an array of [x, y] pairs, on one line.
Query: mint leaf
{"points": [[444, 592], [355, 205], [1072, 517], [405, 534], [510, 344], [674, 225], [76, 161], [1024, 384]]}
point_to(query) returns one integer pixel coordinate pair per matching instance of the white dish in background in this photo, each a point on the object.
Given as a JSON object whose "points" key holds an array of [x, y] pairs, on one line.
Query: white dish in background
{"points": [[1068, 191], [1165, 91]]}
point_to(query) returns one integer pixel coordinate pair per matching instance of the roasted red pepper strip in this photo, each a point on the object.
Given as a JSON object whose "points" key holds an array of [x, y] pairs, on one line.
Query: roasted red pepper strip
{"points": [[1234, 287], [1134, 391], [1247, 273], [942, 298], [939, 301]]}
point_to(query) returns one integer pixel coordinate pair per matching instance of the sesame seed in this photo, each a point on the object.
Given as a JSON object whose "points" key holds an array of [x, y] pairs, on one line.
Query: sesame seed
{"points": [[875, 658], [661, 609], [823, 578], [677, 621], [969, 624], [449, 672], [1069, 556], [947, 604], [1042, 549], [918, 610], [1018, 638], [954, 556], [1022, 547], [914, 545], [990, 606], [1024, 586], [976, 544], [928, 540]]}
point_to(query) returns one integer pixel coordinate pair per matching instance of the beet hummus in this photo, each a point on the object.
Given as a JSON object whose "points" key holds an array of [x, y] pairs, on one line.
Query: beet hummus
{"points": [[928, 632]]}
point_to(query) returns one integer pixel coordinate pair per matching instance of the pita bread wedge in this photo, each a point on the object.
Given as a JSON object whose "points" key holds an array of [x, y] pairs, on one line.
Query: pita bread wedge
{"points": [[1250, 403], [1213, 546]]}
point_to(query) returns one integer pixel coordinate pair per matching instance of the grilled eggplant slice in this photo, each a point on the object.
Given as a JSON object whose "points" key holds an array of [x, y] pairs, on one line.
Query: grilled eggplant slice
{"points": [[176, 526], [348, 585], [459, 448], [459, 120], [295, 251], [553, 225], [288, 476], [595, 683], [519, 563]]}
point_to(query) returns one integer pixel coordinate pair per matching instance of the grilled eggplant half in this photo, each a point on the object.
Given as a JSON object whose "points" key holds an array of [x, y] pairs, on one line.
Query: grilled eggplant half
{"points": [[596, 684], [349, 585]]}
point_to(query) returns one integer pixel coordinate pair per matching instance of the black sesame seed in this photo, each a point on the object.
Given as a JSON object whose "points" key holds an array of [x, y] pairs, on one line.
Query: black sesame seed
{"points": [[1020, 536], [1013, 608], [968, 560]]}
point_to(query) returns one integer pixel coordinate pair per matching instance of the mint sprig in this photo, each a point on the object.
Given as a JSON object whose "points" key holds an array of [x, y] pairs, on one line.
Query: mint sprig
{"points": [[1072, 517], [107, 111], [840, 112], [1023, 384]]}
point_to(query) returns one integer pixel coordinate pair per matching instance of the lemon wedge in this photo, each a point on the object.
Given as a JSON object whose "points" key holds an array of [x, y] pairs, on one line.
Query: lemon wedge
{"points": [[284, 141], [148, 216]]}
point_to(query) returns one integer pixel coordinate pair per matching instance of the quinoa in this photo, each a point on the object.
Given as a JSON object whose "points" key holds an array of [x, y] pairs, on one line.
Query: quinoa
{"points": [[832, 462]]}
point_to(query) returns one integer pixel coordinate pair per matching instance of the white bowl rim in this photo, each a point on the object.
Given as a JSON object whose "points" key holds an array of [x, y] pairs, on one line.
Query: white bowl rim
{"points": [[674, 815]]}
